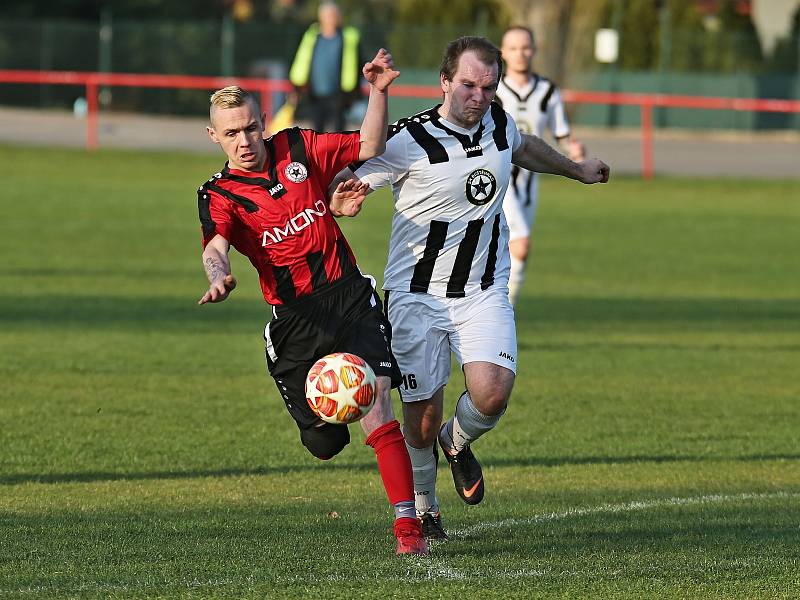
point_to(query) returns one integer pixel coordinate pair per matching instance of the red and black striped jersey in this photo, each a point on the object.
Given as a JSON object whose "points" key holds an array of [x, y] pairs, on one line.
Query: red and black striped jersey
{"points": [[279, 218]]}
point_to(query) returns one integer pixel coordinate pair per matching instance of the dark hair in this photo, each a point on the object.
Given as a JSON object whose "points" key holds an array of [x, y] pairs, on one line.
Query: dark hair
{"points": [[527, 30], [487, 53]]}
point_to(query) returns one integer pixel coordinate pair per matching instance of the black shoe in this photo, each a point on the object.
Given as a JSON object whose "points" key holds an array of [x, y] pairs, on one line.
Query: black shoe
{"points": [[432, 526], [467, 474]]}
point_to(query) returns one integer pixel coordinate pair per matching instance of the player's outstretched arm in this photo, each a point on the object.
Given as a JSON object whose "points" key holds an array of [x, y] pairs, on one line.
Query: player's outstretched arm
{"points": [[218, 270], [536, 155], [347, 194], [379, 73]]}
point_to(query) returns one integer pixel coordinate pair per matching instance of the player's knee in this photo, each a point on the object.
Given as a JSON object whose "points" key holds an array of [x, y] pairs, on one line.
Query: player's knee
{"points": [[383, 398], [428, 435], [383, 389], [496, 406], [491, 402], [325, 441], [421, 434]]}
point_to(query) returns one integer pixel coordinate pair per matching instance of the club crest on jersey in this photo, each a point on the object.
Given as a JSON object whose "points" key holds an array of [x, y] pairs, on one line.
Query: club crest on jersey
{"points": [[481, 187], [296, 172]]}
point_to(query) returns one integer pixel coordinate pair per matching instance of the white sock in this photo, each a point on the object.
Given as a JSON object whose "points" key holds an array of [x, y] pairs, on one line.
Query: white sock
{"points": [[467, 424], [423, 464], [515, 279]]}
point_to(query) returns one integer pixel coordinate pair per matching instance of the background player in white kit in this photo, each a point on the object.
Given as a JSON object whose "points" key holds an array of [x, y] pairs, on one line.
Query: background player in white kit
{"points": [[447, 271], [536, 105]]}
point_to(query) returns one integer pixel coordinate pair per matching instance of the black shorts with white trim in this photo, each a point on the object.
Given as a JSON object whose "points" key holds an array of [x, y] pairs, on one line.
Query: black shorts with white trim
{"points": [[348, 317]]}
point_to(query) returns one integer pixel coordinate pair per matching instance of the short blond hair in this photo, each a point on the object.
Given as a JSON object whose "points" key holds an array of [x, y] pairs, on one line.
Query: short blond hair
{"points": [[232, 97]]}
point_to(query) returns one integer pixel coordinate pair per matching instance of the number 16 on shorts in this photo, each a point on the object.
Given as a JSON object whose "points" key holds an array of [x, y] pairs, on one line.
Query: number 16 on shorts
{"points": [[409, 381]]}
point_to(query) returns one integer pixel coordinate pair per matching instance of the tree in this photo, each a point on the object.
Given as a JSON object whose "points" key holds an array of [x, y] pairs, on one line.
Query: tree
{"points": [[786, 56], [640, 25], [136, 9], [688, 36], [422, 27], [550, 21]]}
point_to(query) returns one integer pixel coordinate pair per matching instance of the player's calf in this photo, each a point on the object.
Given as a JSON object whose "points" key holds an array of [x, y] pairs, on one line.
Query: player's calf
{"points": [[455, 437]]}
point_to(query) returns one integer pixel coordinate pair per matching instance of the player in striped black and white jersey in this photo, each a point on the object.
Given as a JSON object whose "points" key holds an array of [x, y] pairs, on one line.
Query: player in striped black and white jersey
{"points": [[536, 105], [447, 272], [452, 220]]}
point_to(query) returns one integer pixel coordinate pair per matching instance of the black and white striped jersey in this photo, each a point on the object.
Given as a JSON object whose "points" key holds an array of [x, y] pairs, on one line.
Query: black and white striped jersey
{"points": [[449, 236], [536, 107]]}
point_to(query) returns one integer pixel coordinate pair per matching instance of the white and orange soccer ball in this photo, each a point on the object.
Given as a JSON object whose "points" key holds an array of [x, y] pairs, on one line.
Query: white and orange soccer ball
{"points": [[340, 388]]}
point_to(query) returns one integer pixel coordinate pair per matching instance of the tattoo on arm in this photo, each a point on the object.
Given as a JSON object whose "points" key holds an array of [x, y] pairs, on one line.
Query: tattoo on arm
{"points": [[214, 269]]}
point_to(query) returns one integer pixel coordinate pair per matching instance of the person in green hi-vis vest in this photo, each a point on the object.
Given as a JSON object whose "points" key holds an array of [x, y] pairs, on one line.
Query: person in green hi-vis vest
{"points": [[326, 68]]}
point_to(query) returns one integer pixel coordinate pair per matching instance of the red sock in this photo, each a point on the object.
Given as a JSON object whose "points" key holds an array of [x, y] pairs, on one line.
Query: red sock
{"points": [[393, 462]]}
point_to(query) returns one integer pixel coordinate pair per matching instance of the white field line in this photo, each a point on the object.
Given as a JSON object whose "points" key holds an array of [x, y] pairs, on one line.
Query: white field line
{"points": [[436, 567], [633, 506], [427, 568]]}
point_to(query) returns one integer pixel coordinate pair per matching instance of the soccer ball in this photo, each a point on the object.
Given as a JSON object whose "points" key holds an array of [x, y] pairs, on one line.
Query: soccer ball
{"points": [[340, 388]]}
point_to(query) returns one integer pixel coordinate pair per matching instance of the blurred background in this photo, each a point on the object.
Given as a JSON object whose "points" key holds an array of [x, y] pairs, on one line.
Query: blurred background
{"points": [[651, 447], [719, 48]]}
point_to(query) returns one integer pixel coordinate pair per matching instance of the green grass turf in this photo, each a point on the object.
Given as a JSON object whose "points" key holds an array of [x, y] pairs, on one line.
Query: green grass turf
{"points": [[650, 449]]}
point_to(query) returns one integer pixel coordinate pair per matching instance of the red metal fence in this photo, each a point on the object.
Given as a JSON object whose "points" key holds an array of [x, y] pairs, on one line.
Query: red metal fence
{"points": [[265, 87]]}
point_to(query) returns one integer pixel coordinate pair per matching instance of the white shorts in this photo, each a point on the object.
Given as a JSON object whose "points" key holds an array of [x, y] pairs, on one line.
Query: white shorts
{"points": [[426, 328], [520, 207]]}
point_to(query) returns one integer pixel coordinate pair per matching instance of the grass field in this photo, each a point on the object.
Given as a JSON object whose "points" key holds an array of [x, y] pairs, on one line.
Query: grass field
{"points": [[650, 450]]}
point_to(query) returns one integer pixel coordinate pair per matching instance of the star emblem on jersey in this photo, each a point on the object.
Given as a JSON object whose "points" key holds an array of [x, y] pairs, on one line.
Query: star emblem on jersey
{"points": [[296, 172], [481, 187]]}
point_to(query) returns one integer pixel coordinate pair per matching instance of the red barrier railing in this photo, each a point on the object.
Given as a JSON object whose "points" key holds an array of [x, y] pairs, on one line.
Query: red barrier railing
{"points": [[265, 87], [646, 102]]}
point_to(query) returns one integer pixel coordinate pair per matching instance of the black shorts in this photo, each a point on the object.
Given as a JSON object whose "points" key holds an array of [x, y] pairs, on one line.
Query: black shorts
{"points": [[346, 317]]}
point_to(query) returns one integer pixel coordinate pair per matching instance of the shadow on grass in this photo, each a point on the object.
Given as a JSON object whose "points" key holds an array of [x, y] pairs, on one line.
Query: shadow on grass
{"points": [[633, 459], [126, 313], [157, 313], [97, 476]]}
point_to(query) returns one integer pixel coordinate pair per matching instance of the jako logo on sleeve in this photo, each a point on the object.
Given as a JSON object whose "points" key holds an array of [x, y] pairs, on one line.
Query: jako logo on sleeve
{"points": [[294, 225]]}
